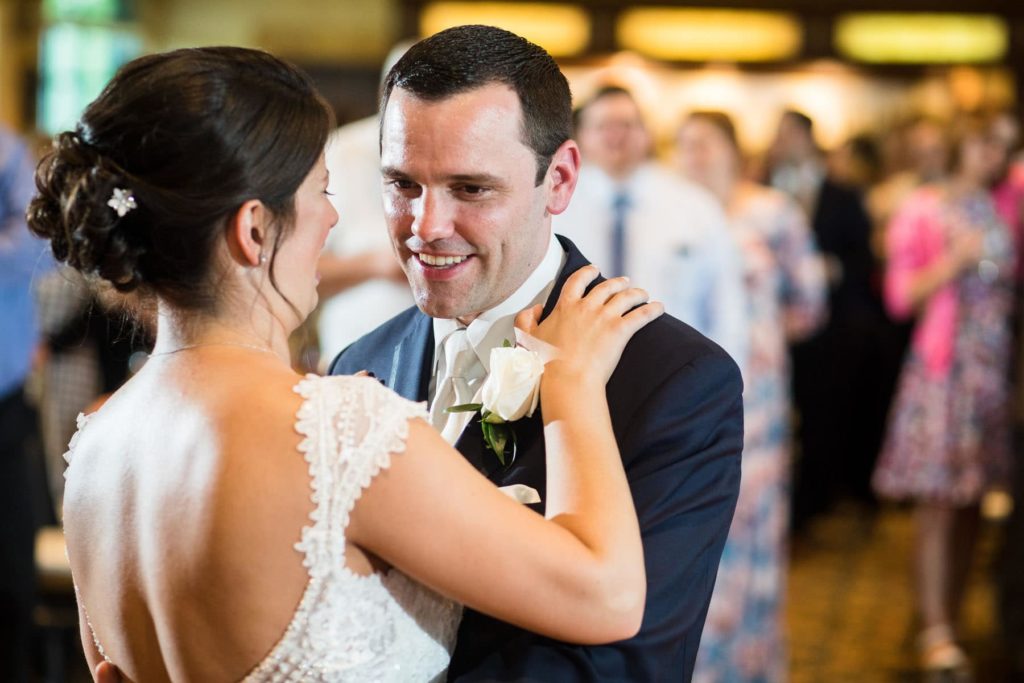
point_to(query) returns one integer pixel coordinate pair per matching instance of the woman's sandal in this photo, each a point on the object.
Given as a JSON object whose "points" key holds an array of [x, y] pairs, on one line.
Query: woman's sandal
{"points": [[942, 660]]}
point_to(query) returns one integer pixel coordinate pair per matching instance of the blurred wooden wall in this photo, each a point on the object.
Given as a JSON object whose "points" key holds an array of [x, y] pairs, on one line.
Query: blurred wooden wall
{"points": [[341, 42], [18, 47]]}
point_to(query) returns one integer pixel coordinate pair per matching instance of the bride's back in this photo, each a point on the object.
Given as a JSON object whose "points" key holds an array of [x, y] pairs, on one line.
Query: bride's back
{"points": [[185, 496]]}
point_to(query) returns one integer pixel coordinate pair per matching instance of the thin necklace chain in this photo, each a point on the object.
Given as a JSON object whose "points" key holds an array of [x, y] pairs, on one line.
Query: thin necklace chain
{"points": [[187, 347]]}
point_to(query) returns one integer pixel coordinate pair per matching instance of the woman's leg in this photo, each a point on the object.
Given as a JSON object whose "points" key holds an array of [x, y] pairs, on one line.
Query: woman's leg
{"points": [[935, 571], [932, 564], [965, 535]]}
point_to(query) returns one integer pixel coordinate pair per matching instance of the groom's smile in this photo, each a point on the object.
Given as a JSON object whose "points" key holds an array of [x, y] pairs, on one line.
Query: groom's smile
{"points": [[445, 262], [441, 267]]}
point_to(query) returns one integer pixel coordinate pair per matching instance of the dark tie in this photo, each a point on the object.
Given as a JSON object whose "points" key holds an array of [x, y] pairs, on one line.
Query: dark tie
{"points": [[620, 207]]}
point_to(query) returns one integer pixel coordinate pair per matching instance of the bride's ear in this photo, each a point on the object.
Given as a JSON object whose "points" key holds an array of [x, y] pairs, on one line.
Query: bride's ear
{"points": [[248, 234]]}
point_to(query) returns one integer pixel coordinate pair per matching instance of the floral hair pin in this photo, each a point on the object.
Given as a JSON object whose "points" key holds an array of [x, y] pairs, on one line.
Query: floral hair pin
{"points": [[122, 201]]}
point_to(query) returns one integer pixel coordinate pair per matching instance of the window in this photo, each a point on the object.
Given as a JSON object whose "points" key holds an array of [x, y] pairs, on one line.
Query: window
{"points": [[83, 43]]}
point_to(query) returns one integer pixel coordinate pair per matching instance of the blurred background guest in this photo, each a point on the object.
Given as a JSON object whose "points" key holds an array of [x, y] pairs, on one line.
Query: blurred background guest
{"points": [[836, 377], [1008, 194], [632, 216], [785, 287], [361, 282], [22, 501], [1008, 185], [857, 163], [951, 259], [923, 158]]}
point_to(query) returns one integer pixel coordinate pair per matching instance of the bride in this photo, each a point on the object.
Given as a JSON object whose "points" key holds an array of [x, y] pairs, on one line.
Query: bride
{"points": [[227, 519]]}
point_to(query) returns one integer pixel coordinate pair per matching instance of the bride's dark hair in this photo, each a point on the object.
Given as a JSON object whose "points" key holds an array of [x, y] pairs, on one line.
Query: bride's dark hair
{"points": [[193, 134]]}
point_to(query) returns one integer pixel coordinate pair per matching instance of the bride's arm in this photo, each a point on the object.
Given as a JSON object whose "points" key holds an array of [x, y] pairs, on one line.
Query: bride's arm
{"points": [[576, 575]]}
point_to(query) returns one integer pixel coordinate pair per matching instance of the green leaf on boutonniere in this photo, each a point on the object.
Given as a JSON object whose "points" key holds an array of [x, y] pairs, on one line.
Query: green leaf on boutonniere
{"points": [[491, 418], [497, 436], [506, 344], [465, 408]]}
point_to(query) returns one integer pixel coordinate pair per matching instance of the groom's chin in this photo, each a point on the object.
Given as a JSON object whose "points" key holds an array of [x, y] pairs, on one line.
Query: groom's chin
{"points": [[430, 305], [437, 309], [443, 307]]}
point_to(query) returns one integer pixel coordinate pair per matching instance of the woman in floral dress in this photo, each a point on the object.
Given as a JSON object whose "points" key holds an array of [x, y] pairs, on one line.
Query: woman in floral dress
{"points": [[950, 262], [785, 287]]}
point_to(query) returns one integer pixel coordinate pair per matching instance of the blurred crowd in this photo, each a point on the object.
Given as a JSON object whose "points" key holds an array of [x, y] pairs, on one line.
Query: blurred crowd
{"points": [[870, 295]]}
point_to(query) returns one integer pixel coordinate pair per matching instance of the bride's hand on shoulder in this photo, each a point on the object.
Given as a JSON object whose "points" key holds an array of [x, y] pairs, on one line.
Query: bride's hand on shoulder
{"points": [[106, 672], [587, 331]]}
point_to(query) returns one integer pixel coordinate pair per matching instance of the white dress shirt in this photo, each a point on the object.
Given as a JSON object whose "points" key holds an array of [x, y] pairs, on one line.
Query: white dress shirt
{"points": [[353, 159], [678, 247], [492, 327]]}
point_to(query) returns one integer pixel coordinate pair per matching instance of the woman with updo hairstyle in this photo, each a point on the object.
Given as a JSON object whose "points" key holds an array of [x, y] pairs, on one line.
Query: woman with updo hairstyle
{"points": [[228, 519], [951, 265], [785, 289]]}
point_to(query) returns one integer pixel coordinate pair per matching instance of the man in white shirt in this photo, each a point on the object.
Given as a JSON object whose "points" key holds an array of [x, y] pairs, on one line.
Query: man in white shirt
{"points": [[634, 217]]}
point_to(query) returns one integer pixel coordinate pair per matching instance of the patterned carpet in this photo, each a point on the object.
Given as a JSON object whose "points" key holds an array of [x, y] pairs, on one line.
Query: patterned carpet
{"points": [[850, 615]]}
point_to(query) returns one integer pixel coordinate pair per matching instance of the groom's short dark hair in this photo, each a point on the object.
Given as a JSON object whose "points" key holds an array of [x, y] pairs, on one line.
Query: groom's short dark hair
{"points": [[468, 57]]}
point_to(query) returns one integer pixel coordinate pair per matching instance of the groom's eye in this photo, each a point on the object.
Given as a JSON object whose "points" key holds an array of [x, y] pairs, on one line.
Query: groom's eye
{"points": [[402, 184], [471, 190]]}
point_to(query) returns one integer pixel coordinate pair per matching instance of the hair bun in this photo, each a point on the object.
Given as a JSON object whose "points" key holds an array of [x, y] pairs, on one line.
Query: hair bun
{"points": [[75, 183]]}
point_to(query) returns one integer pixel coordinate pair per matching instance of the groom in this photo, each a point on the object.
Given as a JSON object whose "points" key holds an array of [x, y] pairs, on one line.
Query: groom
{"points": [[476, 158]]}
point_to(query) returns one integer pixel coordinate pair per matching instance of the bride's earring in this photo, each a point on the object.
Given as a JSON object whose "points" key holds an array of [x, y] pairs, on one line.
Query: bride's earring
{"points": [[263, 259]]}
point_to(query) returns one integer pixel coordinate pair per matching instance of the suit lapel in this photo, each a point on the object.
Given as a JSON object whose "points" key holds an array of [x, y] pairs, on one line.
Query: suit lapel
{"points": [[416, 351], [574, 260], [471, 444], [411, 361]]}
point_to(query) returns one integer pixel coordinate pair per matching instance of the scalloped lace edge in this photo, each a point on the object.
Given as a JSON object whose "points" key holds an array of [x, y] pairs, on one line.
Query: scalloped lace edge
{"points": [[309, 424]]}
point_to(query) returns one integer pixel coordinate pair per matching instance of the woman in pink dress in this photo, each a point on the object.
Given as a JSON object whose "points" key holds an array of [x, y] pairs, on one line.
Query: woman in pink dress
{"points": [[951, 263]]}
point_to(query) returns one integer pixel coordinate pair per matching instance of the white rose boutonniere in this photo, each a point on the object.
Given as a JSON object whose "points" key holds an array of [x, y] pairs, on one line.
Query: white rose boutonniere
{"points": [[512, 389], [510, 392]]}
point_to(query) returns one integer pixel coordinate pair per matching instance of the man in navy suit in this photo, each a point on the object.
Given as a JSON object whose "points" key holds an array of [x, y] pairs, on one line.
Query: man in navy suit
{"points": [[476, 157]]}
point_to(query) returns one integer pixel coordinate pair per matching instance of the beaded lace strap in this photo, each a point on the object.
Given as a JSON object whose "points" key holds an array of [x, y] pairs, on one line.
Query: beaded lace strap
{"points": [[351, 426], [80, 423], [88, 623]]}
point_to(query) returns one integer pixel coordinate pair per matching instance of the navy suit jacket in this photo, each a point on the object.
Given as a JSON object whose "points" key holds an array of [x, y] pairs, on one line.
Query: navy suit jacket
{"points": [[676, 409]]}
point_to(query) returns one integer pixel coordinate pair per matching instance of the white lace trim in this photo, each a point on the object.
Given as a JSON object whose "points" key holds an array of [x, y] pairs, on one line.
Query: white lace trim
{"points": [[80, 423], [350, 428]]}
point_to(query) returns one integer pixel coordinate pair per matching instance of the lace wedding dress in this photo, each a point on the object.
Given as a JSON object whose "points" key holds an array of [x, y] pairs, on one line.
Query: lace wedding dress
{"points": [[348, 627]]}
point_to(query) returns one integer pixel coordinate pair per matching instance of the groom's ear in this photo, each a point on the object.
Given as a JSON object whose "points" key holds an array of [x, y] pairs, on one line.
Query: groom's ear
{"points": [[563, 172]]}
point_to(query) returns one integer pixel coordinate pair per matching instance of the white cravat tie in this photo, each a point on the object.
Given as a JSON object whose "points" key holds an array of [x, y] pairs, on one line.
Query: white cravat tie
{"points": [[457, 381]]}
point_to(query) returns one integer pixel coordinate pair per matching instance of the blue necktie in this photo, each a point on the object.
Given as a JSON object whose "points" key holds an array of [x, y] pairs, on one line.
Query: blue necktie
{"points": [[620, 206]]}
